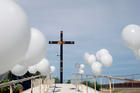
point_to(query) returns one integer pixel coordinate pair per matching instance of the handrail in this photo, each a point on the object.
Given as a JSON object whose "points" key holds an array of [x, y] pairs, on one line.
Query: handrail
{"points": [[118, 78], [111, 77], [18, 81]]}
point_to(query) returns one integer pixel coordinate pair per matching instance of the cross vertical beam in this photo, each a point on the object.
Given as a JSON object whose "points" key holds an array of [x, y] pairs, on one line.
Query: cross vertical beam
{"points": [[61, 57], [61, 42]]}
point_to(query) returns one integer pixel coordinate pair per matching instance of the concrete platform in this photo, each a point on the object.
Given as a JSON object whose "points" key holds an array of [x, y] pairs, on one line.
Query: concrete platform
{"points": [[61, 88]]}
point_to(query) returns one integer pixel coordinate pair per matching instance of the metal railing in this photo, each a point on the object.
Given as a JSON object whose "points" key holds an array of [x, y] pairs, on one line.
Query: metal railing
{"points": [[17, 81], [36, 81], [109, 78]]}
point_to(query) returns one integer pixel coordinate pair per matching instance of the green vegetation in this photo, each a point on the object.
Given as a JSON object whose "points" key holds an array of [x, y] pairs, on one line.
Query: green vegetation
{"points": [[91, 84], [69, 82], [36, 74], [5, 89], [57, 80], [17, 87], [13, 77]]}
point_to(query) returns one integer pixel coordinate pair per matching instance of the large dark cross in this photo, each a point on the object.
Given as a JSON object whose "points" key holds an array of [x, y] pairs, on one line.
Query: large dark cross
{"points": [[61, 42]]}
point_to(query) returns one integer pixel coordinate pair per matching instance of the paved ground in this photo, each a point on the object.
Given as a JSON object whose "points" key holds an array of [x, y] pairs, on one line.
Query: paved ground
{"points": [[61, 88], [70, 88]]}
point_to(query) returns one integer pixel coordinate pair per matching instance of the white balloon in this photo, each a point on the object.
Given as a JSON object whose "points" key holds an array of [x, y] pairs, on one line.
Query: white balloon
{"points": [[44, 67], [106, 60], [52, 69], [14, 34], [91, 60], [96, 68], [81, 72], [137, 54], [98, 55], [86, 55], [37, 48], [131, 36], [82, 66], [101, 52], [19, 70], [32, 69], [104, 51]]}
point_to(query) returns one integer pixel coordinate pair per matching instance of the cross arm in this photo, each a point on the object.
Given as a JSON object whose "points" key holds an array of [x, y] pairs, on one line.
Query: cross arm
{"points": [[59, 42], [68, 42], [53, 42]]}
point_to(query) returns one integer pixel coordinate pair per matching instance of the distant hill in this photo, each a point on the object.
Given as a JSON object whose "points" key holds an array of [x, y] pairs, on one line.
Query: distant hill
{"points": [[4, 75]]}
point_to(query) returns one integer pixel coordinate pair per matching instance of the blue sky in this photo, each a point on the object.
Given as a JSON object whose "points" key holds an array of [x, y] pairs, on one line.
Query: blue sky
{"points": [[92, 24]]}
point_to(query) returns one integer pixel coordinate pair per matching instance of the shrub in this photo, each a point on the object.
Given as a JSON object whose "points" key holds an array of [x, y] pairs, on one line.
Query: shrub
{"points": [[57, 80], [69, 82], [5, 89], [17, 87]]}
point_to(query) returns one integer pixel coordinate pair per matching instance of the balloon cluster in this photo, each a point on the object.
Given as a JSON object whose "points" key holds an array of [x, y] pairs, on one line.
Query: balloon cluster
{"points": [[131, 38], [35, 53], [103, 56], [21, 47], [80, 67], [43, 67]]}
